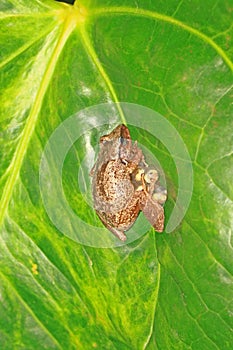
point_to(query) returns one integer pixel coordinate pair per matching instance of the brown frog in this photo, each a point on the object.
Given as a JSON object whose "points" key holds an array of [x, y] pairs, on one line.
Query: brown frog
{"points": [[123, 184]]}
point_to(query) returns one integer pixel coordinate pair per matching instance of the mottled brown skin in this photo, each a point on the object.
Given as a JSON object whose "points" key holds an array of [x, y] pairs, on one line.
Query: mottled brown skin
{"points": [[118, 192]]}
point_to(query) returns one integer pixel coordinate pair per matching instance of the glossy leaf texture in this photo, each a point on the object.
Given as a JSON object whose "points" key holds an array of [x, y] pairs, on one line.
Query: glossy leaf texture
{"points": [[164, 291]]}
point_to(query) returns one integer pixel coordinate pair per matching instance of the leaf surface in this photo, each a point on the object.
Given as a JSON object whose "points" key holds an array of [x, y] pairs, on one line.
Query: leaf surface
{"points": [[169, 291]]}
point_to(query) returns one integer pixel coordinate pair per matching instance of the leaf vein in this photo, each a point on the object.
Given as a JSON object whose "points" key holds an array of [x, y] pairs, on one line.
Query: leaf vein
{"points": [[161, 17]]}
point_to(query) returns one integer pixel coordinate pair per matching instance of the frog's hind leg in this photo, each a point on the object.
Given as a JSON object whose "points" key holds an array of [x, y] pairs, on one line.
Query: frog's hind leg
{"points": [[154, 213], [119, 234]]}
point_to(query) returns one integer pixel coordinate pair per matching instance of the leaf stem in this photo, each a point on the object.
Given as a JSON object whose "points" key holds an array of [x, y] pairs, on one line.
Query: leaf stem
{"points": [[90, 50]]}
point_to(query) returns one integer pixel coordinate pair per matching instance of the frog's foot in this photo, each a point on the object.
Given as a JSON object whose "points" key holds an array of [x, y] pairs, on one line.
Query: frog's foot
{"points": [[151, 177], [117, 233], [160, 195]]}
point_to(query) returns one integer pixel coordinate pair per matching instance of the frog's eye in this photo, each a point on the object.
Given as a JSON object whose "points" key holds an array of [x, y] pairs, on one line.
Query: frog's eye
{"points": [[124, 141]]}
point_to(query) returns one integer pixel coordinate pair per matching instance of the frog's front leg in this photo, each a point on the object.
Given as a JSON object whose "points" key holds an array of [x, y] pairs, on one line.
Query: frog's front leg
{"points": [[151, 177]]}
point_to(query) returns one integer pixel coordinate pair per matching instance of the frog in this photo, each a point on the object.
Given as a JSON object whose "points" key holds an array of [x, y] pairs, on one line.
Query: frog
{"points": [[123, 184]]}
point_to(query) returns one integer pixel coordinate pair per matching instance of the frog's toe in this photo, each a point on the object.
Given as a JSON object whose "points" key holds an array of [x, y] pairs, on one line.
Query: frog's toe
{"points": [[118, 234]]}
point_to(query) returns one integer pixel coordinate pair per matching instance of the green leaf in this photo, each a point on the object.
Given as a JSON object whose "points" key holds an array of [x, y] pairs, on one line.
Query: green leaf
{"points": [[163, 291]]}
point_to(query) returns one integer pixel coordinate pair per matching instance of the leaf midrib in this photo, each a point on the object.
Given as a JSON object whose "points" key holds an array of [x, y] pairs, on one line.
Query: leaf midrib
{"points": [[69, 25], [30, 124]]}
